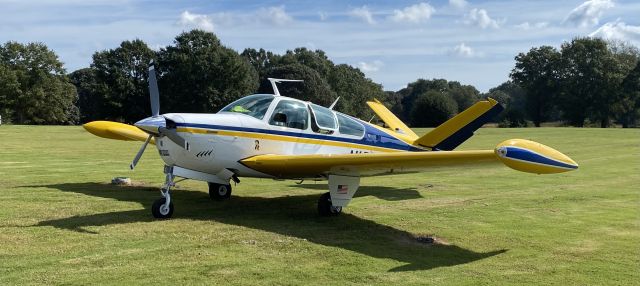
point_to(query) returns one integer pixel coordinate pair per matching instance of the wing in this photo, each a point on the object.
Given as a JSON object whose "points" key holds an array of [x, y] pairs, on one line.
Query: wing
{"points": [[308, 166], [116, 130]]}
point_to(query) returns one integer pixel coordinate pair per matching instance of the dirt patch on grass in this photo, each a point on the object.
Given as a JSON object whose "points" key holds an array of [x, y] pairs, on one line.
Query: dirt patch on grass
{"points": [[422, 239]]}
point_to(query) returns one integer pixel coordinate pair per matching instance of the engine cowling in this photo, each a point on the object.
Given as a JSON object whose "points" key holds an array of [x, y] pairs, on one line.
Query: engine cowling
{"points": [[533, 157]]}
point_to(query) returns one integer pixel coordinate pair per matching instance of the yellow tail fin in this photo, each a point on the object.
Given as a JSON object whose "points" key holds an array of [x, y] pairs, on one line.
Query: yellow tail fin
{"points": [[391, 120], [458, 129]]}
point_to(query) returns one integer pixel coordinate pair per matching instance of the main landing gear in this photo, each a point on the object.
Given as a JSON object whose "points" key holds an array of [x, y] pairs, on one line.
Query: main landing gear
{"points": [[219, 192], [326, 208], [341, 191], [163, 208]]}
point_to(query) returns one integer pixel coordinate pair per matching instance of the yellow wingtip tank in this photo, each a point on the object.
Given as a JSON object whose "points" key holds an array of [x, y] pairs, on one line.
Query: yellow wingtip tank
{"points": [[533, 157], [116, 130]]}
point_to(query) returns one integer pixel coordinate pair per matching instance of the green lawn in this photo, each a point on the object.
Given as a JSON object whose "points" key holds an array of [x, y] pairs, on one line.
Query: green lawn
{"points": [[61, 223]]}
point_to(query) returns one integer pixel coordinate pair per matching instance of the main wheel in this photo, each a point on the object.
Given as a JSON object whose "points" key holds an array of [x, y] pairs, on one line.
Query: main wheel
{"points": [[326, 208], [160, 210], [219, 192]]}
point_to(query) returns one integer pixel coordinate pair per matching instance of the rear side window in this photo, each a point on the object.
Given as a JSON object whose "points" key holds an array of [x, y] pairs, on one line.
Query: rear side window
{"points": [[324, 117], [349, 126], [290, 114]]}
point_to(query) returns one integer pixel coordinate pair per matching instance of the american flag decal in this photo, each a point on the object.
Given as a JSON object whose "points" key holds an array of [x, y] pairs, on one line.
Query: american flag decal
{"points": [[343, 189]]}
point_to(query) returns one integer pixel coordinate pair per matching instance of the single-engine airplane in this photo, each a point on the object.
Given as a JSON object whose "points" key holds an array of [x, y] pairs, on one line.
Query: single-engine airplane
{"points": [[274, 136]]}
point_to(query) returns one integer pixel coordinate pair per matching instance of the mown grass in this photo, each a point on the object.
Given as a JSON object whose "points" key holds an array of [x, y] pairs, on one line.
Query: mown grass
{"points": [[61, 223]]}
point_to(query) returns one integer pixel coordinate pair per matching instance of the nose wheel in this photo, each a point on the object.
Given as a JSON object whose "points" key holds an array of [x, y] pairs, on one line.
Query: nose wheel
{"points": [[163, 208], [160, 209]]}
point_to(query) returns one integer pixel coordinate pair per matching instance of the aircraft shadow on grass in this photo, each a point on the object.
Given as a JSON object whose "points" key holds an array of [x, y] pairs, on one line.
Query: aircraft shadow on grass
{"points": [[380, 192], [289, 215]]}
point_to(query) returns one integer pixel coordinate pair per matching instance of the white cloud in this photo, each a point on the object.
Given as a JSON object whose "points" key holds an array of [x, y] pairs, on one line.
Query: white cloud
{"points": [[480, 17], [75, 32], [413, 14], [618, 31], [323, 15], [362, 13], [588, 13], [223, 18], [274, 15], [527, 26], [370, 67], [459, 4], [199, 21], [462, 50]]}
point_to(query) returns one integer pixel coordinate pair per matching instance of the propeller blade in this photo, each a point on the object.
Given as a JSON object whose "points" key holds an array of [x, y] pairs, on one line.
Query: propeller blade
{"points": [[172, 134], [137, 158], [153, 91]]}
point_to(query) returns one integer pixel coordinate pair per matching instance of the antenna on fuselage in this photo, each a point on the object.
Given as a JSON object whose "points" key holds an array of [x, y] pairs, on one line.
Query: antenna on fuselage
{"points": [[334, 103], [275, 81]]}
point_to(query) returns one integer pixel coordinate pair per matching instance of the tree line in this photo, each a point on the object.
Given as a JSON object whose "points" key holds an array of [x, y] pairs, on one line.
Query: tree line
{"points": [[587, 80]]}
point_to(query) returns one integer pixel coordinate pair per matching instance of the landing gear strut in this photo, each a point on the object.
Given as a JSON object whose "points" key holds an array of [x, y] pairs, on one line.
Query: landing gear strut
{"points": [[163, 207], [219, 192], [326, 208]]}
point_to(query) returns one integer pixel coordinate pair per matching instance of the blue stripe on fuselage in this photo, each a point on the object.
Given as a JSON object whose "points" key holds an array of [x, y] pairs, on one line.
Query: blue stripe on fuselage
{"points": [[372, 137], [529, 156]]}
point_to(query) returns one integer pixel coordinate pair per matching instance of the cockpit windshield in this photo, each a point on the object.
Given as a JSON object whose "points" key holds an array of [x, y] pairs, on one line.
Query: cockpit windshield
{"points": [[254, 105]]}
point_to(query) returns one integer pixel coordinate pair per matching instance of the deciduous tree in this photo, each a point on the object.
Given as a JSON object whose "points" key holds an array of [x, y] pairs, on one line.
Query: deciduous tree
{"points": [[199, 74], [537, 72], [432, 109], [121, 81], [313, 88], [35, 88]]}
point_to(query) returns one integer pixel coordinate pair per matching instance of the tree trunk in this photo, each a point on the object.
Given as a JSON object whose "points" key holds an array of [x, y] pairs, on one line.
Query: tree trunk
{"points": [[604, 123]]}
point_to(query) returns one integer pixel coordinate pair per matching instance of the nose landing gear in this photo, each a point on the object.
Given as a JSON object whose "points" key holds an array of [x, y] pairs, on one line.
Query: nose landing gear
{"points": [[163, 208]]}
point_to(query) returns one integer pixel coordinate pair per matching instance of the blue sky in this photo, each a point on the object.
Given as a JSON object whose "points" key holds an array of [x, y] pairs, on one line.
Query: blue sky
{"points": [[393, 42]]}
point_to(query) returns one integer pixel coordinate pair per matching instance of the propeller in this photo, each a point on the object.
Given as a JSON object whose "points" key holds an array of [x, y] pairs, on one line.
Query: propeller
{"points": [[154, 95], [170, 130], [137, 158], [172, 134]]}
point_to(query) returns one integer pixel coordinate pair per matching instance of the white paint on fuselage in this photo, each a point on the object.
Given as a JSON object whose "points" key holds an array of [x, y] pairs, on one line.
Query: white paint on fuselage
{"points": [[229, 147]]}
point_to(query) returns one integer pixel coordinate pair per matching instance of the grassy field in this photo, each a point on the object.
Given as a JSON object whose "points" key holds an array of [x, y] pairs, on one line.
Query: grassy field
{"points": [[62, 223]]}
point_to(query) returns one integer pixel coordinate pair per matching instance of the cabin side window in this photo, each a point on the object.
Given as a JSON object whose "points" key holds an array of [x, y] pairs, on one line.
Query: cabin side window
{"points": [[290, 114], [323, 119], [349, 126]]}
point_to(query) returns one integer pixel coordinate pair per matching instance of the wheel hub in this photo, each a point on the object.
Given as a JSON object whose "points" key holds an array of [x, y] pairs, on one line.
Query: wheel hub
{"points": [[164, 209], [222, 190]]}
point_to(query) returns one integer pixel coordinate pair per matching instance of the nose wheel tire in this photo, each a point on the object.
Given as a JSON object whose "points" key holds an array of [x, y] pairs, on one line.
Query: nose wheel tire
{"points": [[159, 209], [219, 192], [326, 208]]}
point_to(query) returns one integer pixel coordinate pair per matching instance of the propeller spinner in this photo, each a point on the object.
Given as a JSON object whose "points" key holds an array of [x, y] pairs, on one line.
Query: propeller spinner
{"points": [[167, 129]]}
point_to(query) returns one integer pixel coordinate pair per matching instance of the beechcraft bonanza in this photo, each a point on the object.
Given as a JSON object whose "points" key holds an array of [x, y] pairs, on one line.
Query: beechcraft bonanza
{"points": [[274, 136]]}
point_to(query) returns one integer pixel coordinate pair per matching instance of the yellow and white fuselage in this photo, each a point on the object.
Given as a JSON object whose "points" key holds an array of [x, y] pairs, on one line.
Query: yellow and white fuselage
{"points": [[221, 141]]}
